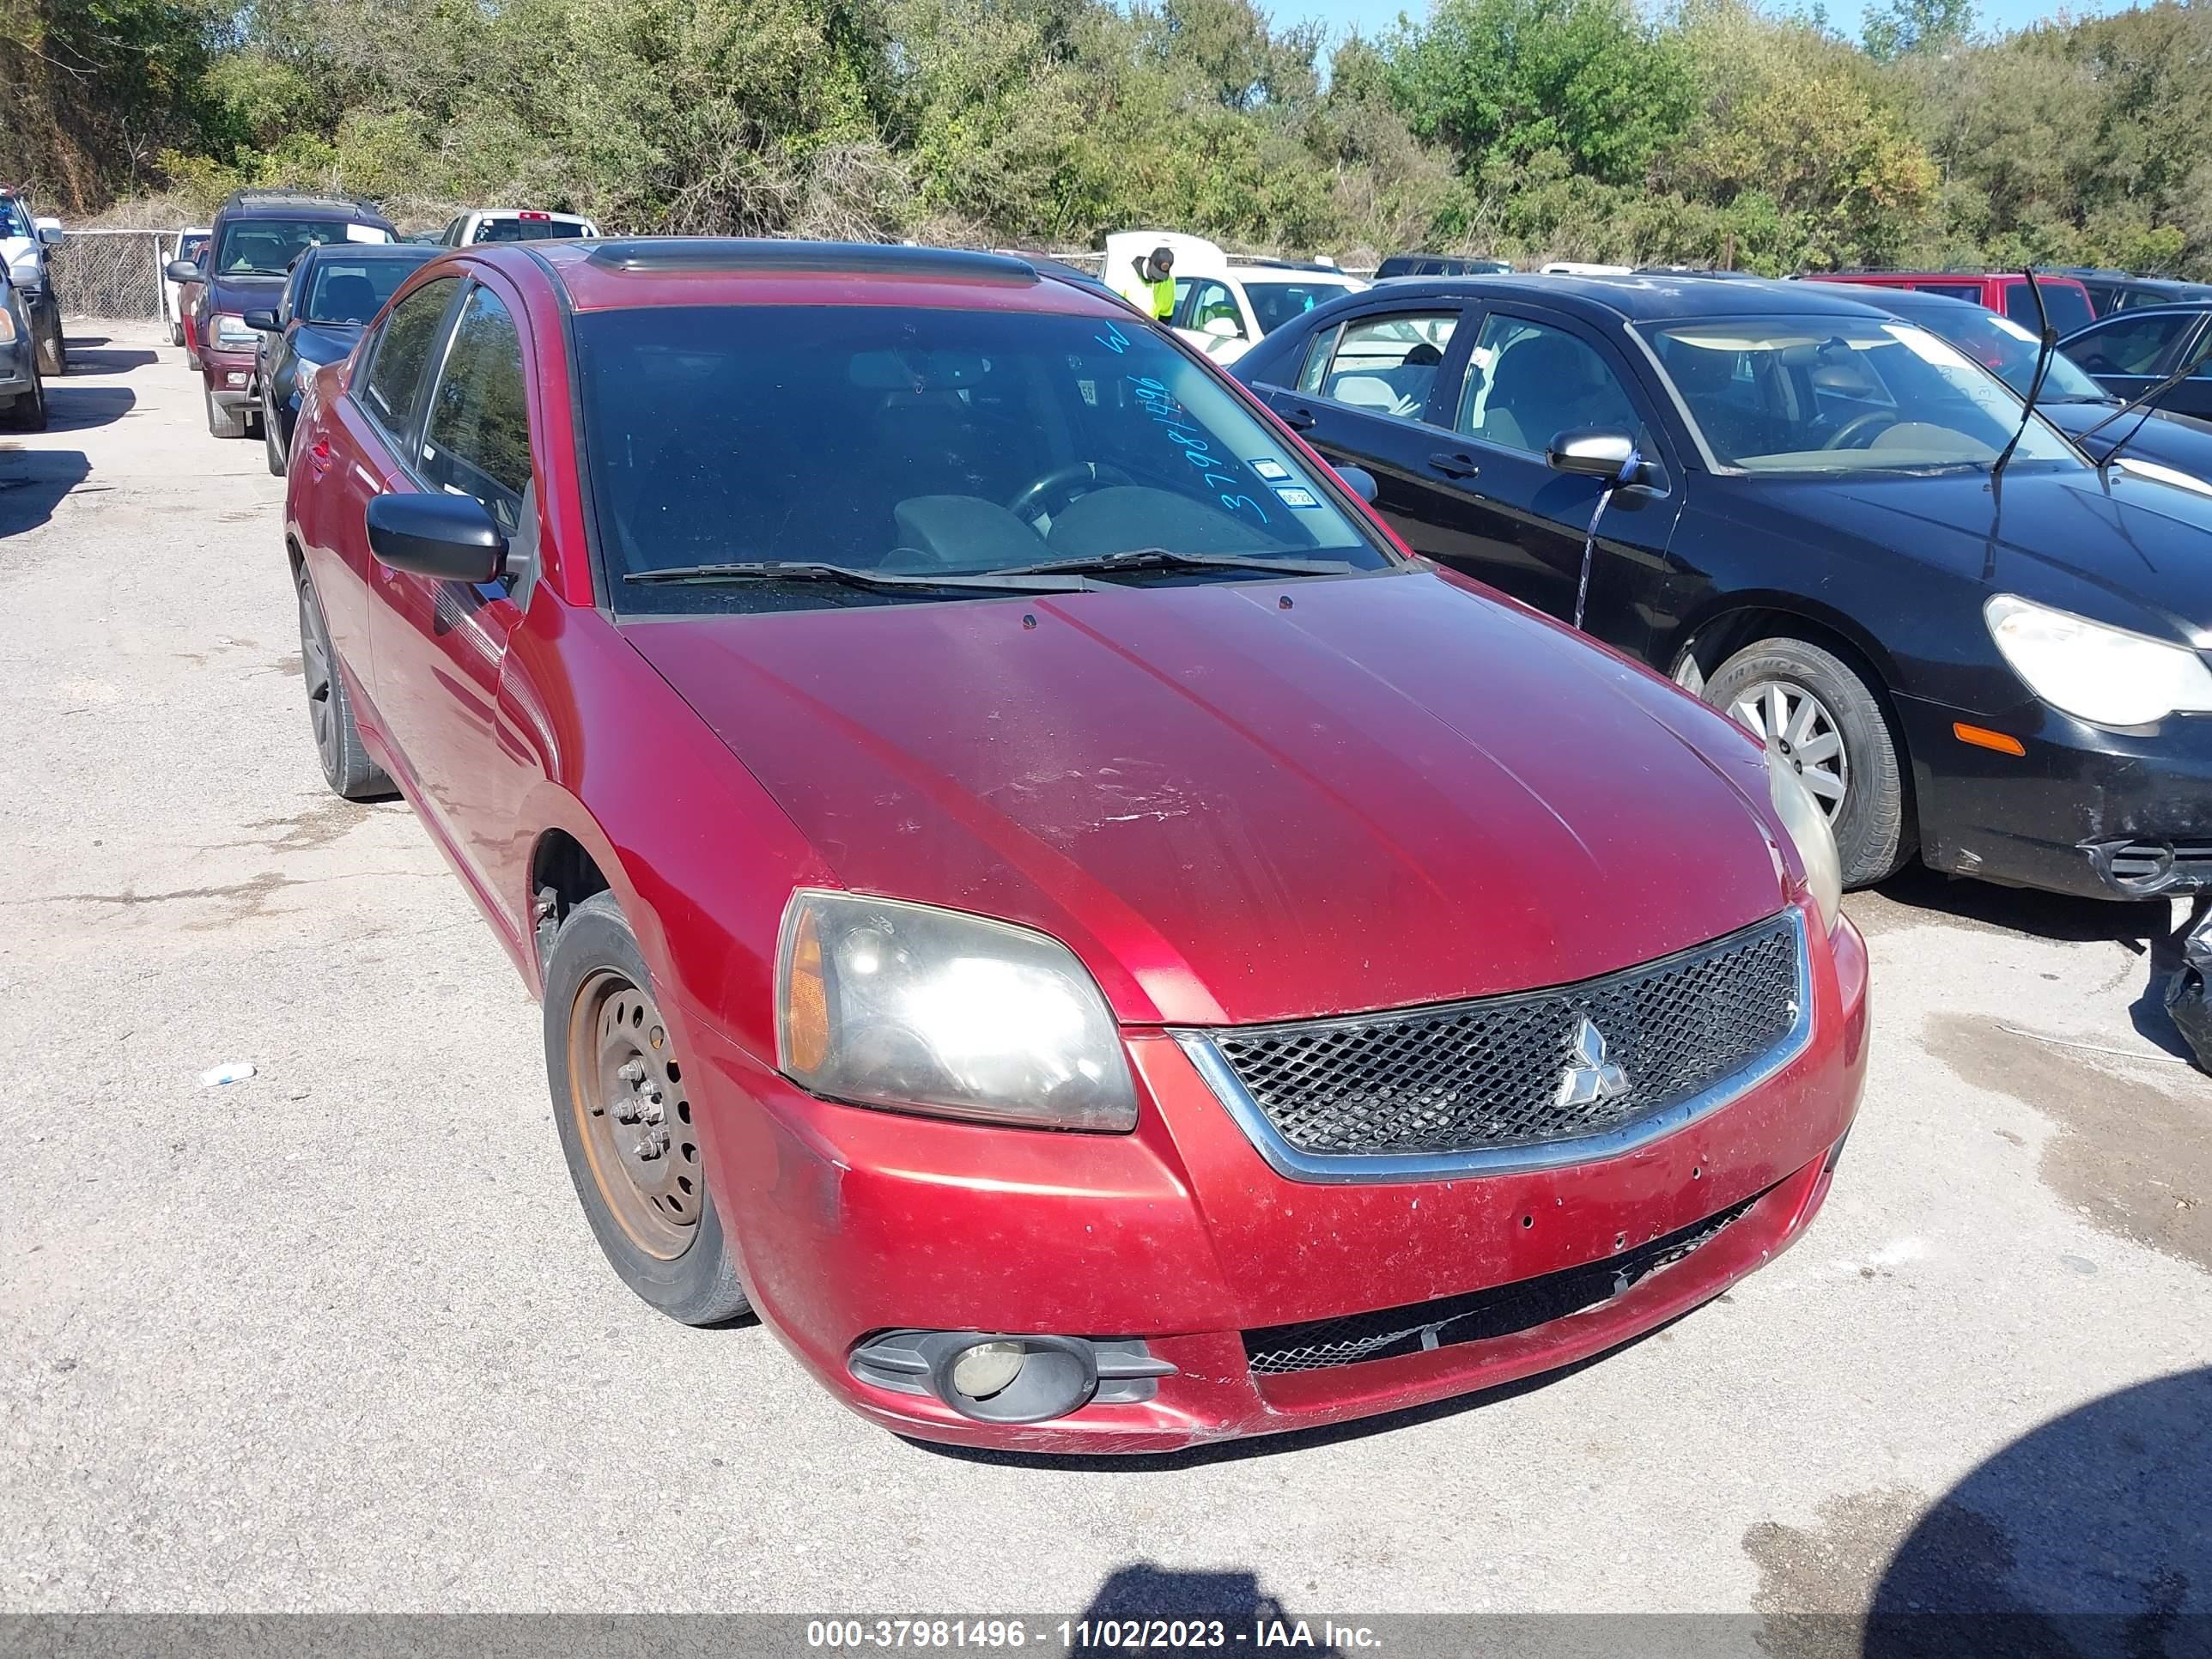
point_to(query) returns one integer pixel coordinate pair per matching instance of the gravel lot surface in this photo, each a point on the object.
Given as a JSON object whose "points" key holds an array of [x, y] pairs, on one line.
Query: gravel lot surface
{"points": [[337, 1338]]}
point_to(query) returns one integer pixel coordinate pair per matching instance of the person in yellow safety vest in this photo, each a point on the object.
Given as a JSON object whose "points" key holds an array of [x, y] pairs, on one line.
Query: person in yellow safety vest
{"points": [[1156, 272]]}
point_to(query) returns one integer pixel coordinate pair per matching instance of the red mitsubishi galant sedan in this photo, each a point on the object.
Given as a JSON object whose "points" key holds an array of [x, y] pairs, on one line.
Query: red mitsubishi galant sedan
{"points": [[1033, 892]]}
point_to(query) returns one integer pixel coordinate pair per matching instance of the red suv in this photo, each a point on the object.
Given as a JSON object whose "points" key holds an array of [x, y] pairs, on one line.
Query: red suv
{"points": [[2064, 298], [1032, 890]]}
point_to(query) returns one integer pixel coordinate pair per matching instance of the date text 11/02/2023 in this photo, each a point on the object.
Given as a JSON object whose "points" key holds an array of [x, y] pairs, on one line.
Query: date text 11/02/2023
{"points": [[1085, 1635]]}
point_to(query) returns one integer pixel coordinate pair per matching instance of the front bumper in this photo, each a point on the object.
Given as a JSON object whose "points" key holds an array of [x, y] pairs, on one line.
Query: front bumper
{"points": [[2087, 809], [229, 374], [849, 1223], [18, 364]]}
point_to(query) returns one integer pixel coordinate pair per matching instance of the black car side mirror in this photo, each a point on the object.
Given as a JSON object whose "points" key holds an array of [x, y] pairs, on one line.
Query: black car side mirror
{"points": [[265, 321], [449, 537], [181, 271], [1359, 481], [1596, 453]]}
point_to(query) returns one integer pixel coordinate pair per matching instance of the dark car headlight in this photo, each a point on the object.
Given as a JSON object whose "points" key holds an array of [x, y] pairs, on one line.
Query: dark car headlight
{"points": [[883, 1003], [2105, 675]]}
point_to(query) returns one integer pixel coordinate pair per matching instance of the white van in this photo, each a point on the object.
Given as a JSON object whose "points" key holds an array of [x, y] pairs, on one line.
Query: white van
{"points": [[1223, 302], [514, 225]]}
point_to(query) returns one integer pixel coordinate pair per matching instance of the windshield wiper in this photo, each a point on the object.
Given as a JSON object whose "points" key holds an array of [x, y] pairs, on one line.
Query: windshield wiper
{"points": [[1166, 558], [775, 570], [2035, 386], [2145, 402]]}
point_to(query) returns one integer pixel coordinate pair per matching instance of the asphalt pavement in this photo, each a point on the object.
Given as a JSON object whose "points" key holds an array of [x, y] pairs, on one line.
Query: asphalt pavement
{"points": [[337, 1338]]}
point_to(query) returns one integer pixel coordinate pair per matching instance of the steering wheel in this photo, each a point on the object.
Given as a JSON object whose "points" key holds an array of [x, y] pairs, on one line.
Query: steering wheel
{"points": [[1034, 499], [1858, 423]]}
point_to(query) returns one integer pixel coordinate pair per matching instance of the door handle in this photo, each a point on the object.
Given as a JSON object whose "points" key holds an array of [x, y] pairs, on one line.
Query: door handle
{"points": [[1299, 418], [1454, 463]]}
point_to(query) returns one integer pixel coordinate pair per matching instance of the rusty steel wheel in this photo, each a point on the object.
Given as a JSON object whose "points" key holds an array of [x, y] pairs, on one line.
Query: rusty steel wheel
{"points": [[626, 1087]]}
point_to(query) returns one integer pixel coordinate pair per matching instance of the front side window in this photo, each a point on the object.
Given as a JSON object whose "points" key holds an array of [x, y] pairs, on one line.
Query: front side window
{"points": [[1827, 394], [267, 247], [14, 222], [2130, 345], [1530, 382], [352, 290], [1208, 307], [1388, 365], [476, 440], [921, 443], [395, 373]]}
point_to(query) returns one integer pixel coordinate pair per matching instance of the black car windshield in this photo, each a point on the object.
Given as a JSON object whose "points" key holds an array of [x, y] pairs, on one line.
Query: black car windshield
{"points": [[2009, 351], [266, 247], [1275, 303], [1830, 394], [353, 290], [922, 442]]}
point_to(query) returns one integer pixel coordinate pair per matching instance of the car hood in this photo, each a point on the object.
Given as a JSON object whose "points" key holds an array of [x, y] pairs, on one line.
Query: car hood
{"points": [[228, 291], [324, 343], [2182, 441], [1252, 800], [2122, 549]]}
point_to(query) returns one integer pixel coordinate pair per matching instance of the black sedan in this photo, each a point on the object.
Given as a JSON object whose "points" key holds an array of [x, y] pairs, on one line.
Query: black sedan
{"points": [[333, 291], [2073, 401], [2130, 351], [1798, 514]]}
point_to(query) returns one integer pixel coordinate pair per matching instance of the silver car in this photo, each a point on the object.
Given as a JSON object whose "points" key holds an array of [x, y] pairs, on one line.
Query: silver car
{"points": [[22, 394]]}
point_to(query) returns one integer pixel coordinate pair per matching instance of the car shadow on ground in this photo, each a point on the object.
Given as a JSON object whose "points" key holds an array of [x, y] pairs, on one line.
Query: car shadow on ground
{"points": [[91, 355], [33, 483], [1142, 1592], [2145, 929], [72, 408], [2090, 1535]]}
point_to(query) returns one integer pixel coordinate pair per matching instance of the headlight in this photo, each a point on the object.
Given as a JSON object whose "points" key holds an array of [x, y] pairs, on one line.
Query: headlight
{"points": [[2095, 672], [233, 331], [7, 326], [1807, 825], [883, 1003]]}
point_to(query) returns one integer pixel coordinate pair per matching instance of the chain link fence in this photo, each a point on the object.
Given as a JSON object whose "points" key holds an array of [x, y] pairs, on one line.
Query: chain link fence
{"points": [[112, 273]]}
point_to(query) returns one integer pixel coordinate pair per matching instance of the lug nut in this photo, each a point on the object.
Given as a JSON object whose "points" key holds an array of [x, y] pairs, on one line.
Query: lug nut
{"points": [[632, 1071]]}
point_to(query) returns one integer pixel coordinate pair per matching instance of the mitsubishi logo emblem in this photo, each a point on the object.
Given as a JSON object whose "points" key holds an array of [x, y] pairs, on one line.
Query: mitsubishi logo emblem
{"points": [[1590, 1079]]}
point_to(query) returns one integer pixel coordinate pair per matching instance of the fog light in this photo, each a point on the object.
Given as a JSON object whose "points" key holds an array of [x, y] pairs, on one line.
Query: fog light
{"points": [[234, 379], [986, 1367]]}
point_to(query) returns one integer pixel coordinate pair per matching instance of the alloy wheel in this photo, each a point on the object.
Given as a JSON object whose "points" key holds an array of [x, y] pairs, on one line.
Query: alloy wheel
{"points": [[1799, 728], [626, 1088]]}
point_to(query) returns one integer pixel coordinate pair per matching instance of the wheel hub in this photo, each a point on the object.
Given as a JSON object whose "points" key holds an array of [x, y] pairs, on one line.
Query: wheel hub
{"points": [[627, 1091], [1796, 725]]}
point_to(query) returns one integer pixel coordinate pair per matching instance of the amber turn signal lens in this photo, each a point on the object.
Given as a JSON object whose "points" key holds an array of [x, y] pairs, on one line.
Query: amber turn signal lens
{"points": [[805, 1003], [1982, 737]]}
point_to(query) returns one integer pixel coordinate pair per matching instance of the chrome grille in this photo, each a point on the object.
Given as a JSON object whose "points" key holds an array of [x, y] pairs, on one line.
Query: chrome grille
{"points": [[1487, 1074]]}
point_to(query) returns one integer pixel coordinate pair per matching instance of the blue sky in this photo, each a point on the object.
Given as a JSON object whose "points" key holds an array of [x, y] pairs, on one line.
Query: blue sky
{"points": [[1375, 16]]}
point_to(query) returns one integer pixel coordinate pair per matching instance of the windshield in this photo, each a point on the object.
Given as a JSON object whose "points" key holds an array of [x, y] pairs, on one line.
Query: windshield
{"points": [[923, 442], [1276, 303], [2009, 351], [353, 290], [528, 230], [14, 222], [1824, 394], [266, 247]]}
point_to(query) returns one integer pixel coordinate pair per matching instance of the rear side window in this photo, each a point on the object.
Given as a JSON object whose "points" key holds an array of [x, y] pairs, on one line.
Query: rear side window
{"points": [[1388, 365], [2067, 306], [526, 230], [477, 439], [395, 374]]}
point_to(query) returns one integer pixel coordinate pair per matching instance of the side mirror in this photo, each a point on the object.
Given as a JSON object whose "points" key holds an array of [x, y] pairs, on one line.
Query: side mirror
{"points": [[449, 538], [181, 271], [50, 230], [1596, 453], [265, 321], [1360, 481], [1223, 328]]}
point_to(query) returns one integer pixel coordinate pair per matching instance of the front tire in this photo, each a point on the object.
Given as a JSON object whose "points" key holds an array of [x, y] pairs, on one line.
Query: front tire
{"points": [[1814, 711], [53, 351], [269, 446], [346, 765], [625, 1122], [29, 412]]}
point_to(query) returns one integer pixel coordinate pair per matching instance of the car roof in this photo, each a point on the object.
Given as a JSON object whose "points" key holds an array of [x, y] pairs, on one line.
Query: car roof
{"points": [[681, 271], [1644, 297], [517, 212], [419, 251], [285, 204]]}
